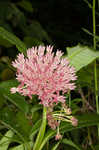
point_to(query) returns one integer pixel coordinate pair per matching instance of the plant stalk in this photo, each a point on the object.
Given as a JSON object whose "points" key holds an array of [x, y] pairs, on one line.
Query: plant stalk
{"points": [[95, 67], [69, 99], [41, 133]]}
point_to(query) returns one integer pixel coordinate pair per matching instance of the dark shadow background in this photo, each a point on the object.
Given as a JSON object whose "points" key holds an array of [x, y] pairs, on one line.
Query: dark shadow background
{"points": [[64, 20], [54, 22]]}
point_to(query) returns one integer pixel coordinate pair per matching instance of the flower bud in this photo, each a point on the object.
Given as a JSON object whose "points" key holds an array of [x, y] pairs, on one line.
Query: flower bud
{"points": [[74, 121], [58, 136]]}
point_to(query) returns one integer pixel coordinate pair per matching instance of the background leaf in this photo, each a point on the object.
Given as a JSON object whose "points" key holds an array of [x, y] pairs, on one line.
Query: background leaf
{"points": [[13, 39], [30, 41], [5, 141], [81, 56], [69, 142], [17, 122], [16, 99], [56, 146], [26, 5], [21, 147]]}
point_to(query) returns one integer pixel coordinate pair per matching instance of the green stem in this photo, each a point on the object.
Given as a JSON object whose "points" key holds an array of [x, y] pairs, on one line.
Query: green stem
{"points": [[95, 68], [90, 140], [41, 133], [94, 25], [48, 145], [69, 99], [98, 4]]}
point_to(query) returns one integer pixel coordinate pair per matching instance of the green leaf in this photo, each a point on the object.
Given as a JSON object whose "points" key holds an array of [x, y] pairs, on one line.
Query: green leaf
{"points": [[36, 31], [35, 114], [5, 141], [96, 147], [88, 32], [85, 76], [69, 142], [84, 120], [18, 124], [7, 118], [5, 43], [81, 56], [7, 74], [16, 99], [23, 123], [35, 129], [16, 16], [36, 108], [2, 101], [21, 146], [26, 5], [30, 41], [13, 39], [89, 4], [41, 133], [56, 146], [74, 105]]}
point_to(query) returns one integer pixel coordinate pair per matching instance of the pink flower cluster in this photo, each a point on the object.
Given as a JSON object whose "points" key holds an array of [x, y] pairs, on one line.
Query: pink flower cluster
{"points": [[44, 74]]}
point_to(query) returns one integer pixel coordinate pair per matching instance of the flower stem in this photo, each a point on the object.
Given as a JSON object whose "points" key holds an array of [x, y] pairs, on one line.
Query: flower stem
{"points": [[95, 68], [69, 99], [41, 133]]}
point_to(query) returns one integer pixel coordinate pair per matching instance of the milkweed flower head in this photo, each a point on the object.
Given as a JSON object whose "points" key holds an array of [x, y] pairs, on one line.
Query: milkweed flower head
{"points": [[44, 74]]}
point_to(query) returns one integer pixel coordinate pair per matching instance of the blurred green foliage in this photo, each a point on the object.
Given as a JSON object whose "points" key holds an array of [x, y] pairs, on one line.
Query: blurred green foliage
{"points": [[23, 24]]}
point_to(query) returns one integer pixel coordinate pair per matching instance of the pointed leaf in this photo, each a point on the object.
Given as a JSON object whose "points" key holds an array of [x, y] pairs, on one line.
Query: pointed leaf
{"points": [[56, 146], [69, 142], [16, 99], [7, 118], [18, 124], [35, 128], [5, 141], [13, 39], [81, 56], [26, 5], [21, 146]]}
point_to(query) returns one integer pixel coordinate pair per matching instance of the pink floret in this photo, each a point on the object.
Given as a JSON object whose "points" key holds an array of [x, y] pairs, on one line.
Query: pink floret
{"points": [[14, 90], [44, 74]]}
